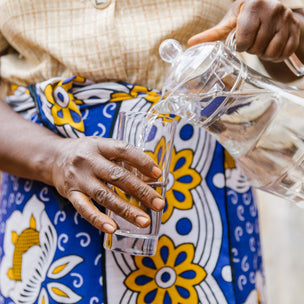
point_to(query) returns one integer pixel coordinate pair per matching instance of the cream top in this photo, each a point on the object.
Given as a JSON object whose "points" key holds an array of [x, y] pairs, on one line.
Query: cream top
{"points": [[98, 39]]}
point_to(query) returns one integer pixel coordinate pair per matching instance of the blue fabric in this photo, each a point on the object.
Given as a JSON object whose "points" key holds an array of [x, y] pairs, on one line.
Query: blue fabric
{"points": [[208, 250]]}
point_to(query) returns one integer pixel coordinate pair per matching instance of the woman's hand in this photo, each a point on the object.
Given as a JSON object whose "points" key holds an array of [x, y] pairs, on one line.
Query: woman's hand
{"points": [[79, 169], [265, 28], [83, 167]]}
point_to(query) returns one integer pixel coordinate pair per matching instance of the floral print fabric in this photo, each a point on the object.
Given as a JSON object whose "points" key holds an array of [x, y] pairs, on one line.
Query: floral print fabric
{"points": [[208, 250]]}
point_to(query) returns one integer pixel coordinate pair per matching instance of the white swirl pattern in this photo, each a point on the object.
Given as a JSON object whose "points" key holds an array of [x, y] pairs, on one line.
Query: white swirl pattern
{"points": [[79, 282], [62, 239], [86, 239], [60, 216]]}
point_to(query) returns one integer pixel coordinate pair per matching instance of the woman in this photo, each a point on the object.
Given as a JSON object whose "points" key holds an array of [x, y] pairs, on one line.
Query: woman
{"points": [[70, 67]]}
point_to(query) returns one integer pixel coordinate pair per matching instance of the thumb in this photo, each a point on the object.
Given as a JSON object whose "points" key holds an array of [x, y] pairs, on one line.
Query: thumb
{"points": [[222, 29], [218, 32]]}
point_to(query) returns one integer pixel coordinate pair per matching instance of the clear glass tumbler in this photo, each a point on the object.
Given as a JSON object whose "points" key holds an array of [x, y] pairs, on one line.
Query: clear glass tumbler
{"points": [[153, 134]]}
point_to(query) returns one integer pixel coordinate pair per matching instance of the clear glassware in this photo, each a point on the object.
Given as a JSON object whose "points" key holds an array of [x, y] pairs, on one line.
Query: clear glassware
{"points": [[259, 121], [154, 135]]}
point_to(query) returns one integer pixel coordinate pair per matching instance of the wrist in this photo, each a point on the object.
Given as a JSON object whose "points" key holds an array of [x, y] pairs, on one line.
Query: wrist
{"points": [[42, 163]]}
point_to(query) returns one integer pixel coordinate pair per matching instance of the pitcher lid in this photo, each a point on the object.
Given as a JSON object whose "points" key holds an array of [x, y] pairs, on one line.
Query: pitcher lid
{"points": [[188, 64]]}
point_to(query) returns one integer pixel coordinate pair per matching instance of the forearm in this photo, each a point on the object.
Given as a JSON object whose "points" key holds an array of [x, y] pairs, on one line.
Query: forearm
{"points": [[26, 149]]}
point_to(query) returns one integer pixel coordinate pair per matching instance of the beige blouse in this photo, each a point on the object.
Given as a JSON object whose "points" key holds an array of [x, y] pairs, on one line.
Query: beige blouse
{"points": [[98, 39]]}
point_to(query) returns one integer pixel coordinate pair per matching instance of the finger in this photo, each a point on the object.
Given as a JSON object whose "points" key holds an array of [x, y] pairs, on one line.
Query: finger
{"points": [[293, 41], [91, 213], [129, 183], [146, 179], [275, 47], [247, 29], [222, 29], [263, 37], [104, 196], [120, 151], [216, 33], [290, 47], [213, 34]]}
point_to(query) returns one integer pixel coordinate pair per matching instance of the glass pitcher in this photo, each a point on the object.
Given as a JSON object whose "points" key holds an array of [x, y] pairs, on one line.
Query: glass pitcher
{"points": [[259, 121]]}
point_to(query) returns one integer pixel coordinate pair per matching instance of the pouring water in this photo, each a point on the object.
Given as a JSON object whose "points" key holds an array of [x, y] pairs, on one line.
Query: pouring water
{"points": [[258, 121]]}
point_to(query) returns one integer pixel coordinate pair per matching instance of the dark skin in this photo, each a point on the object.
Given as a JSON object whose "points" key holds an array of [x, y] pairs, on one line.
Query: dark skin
{"points": [[264, 28], [81, 168]]}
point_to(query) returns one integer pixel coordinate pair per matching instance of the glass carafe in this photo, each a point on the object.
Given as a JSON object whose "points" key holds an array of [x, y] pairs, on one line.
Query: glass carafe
{"points": [[259, 121]]}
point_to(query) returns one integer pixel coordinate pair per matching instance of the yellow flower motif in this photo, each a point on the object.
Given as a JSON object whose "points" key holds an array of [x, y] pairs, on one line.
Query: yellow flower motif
{"points": [[169, 276], [28, 238], [149, 95], [64, 108], [184, 179], [14, 87], [159, 155], [23, 270]]}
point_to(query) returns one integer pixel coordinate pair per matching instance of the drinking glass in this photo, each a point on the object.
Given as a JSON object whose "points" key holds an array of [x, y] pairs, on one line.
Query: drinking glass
{"points": [[153, 134]]}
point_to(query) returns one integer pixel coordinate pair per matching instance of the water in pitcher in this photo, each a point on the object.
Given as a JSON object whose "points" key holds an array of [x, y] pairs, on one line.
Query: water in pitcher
{"points": [[258, 120], [263, 131]]}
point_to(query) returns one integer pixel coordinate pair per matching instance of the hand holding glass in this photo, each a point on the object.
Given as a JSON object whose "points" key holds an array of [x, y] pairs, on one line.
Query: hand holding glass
{"points": [[153, 134]]}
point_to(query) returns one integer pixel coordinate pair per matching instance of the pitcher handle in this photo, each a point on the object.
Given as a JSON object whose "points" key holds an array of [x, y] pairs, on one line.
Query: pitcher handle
{"points": [[293, 62]]}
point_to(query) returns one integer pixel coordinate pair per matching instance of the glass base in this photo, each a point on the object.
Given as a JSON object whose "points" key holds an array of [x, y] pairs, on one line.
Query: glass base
{"points": [[134, 244]]}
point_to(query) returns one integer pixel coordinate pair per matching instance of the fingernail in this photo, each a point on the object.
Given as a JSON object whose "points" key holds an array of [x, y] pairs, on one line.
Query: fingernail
{"points": [[108, 228], [156, 172], [158, 203], [142, 221]]}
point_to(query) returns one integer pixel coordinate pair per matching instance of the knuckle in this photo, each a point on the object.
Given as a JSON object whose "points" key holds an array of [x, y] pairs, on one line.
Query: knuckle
{"points": [[256, 50], [81, 207], [257, 5], [67, 182], [101, 195], [142, 191], [78, 159], [289, 14], [70, 175], [93, 219], [116, 173], [126, 211], [66, 186], [124, 148]]}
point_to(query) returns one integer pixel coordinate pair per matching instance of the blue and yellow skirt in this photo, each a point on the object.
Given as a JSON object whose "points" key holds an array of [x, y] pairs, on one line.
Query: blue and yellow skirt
{"points": [[209, 246]]}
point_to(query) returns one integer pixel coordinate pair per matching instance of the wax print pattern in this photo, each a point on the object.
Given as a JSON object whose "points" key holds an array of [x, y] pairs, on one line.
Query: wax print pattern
{"points": [[208, 251]]}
